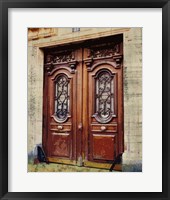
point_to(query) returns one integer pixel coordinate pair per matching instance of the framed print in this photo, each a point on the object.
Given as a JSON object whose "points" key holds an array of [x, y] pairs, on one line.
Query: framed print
{"points": [[84, 99]]}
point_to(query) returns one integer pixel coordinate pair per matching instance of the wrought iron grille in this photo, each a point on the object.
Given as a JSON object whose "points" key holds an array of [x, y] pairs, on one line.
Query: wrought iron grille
{"points": [[62, 97], [104, 96]]}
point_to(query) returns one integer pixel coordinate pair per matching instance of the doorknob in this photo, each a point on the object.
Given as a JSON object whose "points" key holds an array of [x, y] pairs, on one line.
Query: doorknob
{"points": [[60, 127], [80, 127], [103, 128]]}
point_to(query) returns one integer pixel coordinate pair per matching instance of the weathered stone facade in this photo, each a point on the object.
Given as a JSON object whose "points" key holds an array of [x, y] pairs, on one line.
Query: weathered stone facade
{"points": [[132, 72]]}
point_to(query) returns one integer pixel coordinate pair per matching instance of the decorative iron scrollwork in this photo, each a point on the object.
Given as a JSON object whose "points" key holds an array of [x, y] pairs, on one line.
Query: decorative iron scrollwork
{"points": [[104, 96], [62, 98]]}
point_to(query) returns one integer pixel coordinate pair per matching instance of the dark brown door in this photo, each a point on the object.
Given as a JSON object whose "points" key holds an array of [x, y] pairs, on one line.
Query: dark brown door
{"points": [[83, 103], [62, 105], [104, 100]]}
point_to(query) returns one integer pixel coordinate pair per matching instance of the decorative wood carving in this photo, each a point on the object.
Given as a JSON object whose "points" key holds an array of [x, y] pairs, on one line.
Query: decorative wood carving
{"points": [[104, 52], [65, 57], [118, 60], [48, 67], [73, 65], [88, 63]]}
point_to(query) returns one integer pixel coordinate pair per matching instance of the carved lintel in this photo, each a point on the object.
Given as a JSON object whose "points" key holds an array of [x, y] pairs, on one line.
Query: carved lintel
{"points": [[73, 65], [88, 62], [118, 61]]}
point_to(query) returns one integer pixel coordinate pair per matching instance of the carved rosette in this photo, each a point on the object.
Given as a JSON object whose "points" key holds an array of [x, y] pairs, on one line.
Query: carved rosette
{"points": [[97, 53], [52, 60]]}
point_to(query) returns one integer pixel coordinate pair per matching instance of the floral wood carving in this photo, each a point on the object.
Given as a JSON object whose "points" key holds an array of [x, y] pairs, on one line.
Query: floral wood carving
{"points": [[104, 52], [65, 57]]}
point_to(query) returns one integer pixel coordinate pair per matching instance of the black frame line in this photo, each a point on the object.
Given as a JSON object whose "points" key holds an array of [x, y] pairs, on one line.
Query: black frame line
{"points": [[4, 5]]}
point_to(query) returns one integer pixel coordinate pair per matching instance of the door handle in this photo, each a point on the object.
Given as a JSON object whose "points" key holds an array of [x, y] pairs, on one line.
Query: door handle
{"points": [[80, 126], [103, 128], [60, 127]]}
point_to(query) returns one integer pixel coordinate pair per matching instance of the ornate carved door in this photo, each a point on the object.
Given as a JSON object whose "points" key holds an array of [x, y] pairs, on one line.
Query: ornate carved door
{"points": [[83, 103], [62, 105], [104, 99]]}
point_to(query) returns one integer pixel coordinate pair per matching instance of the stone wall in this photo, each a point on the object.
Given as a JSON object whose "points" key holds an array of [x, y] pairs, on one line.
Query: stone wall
{"points": [[35, 97], [43, 37], [132, 157]]}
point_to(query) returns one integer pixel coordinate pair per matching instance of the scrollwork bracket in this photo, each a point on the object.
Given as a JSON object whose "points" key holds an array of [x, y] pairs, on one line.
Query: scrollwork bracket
{"points": [[88, 62], [73, 65], [118, 61]]}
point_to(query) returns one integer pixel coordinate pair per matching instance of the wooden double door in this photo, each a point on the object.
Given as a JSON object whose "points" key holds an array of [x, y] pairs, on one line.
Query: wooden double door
{"points": [[83, 103]]}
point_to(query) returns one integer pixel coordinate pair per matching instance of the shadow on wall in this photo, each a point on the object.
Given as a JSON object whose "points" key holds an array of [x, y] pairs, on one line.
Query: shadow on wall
{"points": [[37, 155]]}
